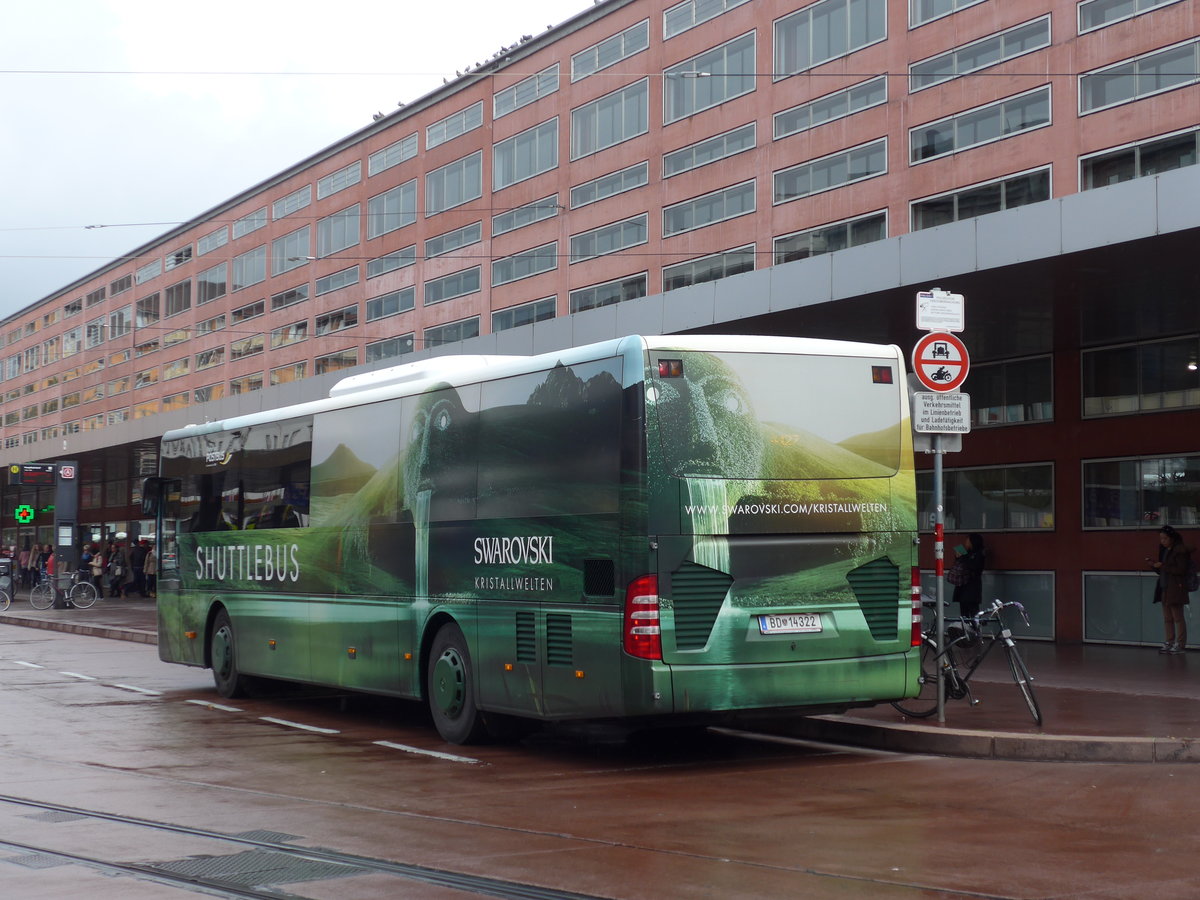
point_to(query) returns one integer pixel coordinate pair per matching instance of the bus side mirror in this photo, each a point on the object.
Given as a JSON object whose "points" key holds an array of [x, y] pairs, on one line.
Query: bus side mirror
{"points": [[152, 494]]}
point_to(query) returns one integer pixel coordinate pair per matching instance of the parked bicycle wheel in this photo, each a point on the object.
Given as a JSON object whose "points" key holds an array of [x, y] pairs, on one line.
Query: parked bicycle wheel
{"points": [[1020, 675], [42, 595], [5, 600], [83, 594], [924, 704]]}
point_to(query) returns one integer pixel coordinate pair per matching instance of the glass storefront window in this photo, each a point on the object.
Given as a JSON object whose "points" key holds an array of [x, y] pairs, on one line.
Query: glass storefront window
{"points": [[992, 499], [1141, 493]]}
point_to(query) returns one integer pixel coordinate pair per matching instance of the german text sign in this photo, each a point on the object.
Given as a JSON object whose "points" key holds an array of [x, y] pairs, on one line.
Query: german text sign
{"points": [[948, 413], [940, 362]]}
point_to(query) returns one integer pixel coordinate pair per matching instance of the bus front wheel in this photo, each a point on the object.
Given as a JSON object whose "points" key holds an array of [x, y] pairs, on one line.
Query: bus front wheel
{"points": [[229, 681], [451, 688]]}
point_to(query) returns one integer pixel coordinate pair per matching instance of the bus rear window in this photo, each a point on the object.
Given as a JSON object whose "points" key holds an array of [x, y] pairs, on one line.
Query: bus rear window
{"points": [[773, 416]]}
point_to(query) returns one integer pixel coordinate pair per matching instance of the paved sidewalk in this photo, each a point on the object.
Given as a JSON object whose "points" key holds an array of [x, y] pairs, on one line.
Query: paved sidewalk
{"points": [[1099, 703]]}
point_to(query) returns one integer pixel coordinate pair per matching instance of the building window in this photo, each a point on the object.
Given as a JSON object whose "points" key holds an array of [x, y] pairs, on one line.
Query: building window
{"points": [[207, 359], [289, 374], [178, 257], [148, 272], [834, 171], [339, 231], [147, 311], [146, 378], [244, 385], [289, 334], [338, 320], [1149, 492], [392, 155], [74, 308], [337, 281], [825, 31], [455, 184], [176, 401], [178, 298], [683, 16], [454, 240], [709, 79], [250, 222], [609, 238], [120, 385], [538, 210], [727, 203], [922, 11], [146, 348], [293, 202], [831, 107], [994, 196], [208, 326], [1008, 498], [525, 264], [247, 312], [208, 392], [525, 155], [979, 55], [610, 51], [391, 348], [400, 259], [391, 304], [335, 362], [526, 91], [452, 332], [606, 186], [250, 346], [1006, 393], [250, 268], [176, 369], [1154, 73], [620, 116], [211, 284], [709, 150], [392, 209], [982, 125], [120, 285], [1144, 377], [830, 238], [629, 288], [339, 180], [454, 125], [1099, 13], [213, 241], [51, 349], [287, 298], [448, 287], [120, 322], [290, 251], [525, 314], [94, 333], [1146, 158], [708, 268]]}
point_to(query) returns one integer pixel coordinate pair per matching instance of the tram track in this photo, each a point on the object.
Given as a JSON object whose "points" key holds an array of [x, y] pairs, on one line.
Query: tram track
{"points": [[354, 864]]}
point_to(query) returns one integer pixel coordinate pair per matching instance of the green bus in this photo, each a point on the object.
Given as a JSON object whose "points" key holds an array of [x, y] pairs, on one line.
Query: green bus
{"points": [[648, 529]]}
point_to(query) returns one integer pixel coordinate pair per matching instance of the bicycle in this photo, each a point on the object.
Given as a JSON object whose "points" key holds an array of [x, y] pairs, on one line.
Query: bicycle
{"points": [[5, 600], [79, 592], [968, 643]]}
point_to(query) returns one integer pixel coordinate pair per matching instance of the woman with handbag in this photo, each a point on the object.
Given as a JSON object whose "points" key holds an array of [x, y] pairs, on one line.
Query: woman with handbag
{"points": [[967, 574], [1174, 559]]}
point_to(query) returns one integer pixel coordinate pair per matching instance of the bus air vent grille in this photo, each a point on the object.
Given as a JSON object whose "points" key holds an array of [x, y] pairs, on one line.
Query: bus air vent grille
{"points": [[876, 586], [560, 648], [526, 638], [697, 593]]}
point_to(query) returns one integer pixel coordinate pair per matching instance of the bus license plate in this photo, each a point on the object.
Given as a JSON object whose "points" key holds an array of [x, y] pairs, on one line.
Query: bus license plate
{"points": [[796, 623]]}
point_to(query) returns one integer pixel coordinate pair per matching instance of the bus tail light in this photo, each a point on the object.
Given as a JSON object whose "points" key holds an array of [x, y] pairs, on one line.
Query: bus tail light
{"points": [[643, 636], [916, 606]]}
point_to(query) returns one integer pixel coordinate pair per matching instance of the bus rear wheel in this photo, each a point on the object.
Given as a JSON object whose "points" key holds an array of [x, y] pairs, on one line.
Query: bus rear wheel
{"points": [[229, 681], [450, 688]]}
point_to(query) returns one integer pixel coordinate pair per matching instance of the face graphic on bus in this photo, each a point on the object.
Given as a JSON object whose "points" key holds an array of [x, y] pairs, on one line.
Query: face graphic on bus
{"points": [[707, 421], [441, 446]]}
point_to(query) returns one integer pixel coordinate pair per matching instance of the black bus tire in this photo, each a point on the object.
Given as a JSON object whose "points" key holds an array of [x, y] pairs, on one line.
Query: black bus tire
{"points": [[450, 688], [229, 681]]}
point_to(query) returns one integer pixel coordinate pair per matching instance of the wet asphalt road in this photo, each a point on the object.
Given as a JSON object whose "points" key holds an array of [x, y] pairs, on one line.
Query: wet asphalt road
{"points": [[93, 726]]}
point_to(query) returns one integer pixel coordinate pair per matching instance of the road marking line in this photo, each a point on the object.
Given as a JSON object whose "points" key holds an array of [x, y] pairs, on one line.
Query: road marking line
{"points": [[435, 753], [77, 675], [285, 722], [28, 665], [138, 690], [209, 705]]}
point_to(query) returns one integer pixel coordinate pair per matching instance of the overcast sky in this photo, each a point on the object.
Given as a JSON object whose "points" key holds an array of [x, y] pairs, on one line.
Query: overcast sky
{"points": [[81, 145]]}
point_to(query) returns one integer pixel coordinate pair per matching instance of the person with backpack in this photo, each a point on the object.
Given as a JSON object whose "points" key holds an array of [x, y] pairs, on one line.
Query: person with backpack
{"points": [[1175, 572]]}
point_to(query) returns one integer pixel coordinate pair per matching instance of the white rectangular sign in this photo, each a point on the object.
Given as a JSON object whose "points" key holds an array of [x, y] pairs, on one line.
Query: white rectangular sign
{"points": [[939, 310], [944, 413]]}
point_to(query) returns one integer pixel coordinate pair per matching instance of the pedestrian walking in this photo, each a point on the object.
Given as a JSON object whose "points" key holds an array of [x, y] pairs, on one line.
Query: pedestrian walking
{"points": [[151, 571], [137, 565], [967, 574], [1173, 563]]}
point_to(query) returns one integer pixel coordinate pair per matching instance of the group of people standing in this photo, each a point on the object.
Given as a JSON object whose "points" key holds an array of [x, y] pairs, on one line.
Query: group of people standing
{"points": [[121, 571], [1173, 564]]}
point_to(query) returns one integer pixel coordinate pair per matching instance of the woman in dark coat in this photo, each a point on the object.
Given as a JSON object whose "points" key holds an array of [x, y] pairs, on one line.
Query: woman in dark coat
{"points": [[1174, 559], [969, 594]]}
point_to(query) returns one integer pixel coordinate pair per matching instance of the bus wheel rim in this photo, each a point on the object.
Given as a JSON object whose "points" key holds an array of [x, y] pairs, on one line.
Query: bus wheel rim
{"points": [[221, 651], [449, 682]]}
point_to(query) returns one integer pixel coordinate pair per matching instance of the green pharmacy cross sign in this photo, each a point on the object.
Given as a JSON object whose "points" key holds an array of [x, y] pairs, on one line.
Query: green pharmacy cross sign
{"points": [[24, 513]]}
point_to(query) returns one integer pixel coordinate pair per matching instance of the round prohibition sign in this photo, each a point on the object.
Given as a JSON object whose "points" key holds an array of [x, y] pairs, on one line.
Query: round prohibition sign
{"points": [[940, 362]]}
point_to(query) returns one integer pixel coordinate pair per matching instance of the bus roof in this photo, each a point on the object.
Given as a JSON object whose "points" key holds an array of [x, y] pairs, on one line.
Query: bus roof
{"points": [[417, 377]]}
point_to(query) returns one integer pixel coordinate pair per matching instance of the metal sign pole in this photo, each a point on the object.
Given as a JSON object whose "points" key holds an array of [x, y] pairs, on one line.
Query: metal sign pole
{"points": [[939, 545]]}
